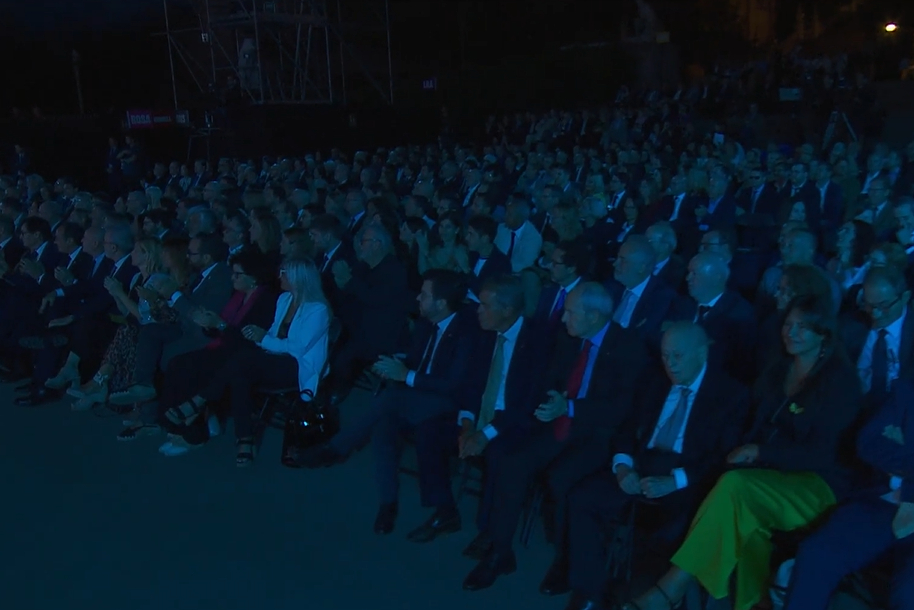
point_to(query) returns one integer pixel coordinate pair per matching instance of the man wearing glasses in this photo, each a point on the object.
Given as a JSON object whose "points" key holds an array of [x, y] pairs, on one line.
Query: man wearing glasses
{"points": [[883, 351]]}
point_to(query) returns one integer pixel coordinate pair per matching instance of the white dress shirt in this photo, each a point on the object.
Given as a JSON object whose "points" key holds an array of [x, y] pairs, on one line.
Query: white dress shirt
{"points": [[567, 289], [669, 407], [442, 328], [710, 305], [892, 345], [508, 351], [659, 266], [627, 305], [527, 245], [677, 204]]}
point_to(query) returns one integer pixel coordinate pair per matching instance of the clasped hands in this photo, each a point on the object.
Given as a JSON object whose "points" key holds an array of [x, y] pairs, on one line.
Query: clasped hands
{"points": [[649, 487], [253, 333], [390, 369]]}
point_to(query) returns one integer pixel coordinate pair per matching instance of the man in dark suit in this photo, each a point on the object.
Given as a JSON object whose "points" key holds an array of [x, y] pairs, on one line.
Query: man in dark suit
{"points": [[158, 343], [883, 350], [831, 205], [568, 264], [760, 204], [326, 234], [10, 248], [644, 301], [669, 266], [91, 326], [727, 318], [354, 206], [721, 207], [802, 190], [421, 395], [74, 264], [379, 294], [485, 260], [500, 392], [683, 425], [590, 390], [876, 523]]}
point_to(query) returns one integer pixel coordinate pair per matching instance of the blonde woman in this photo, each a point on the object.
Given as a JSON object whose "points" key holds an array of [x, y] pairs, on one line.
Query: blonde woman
{"points": [[116, 371], [291, 352]]}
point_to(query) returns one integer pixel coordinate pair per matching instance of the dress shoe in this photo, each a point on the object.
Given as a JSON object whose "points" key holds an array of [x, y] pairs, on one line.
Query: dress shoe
{"points": [[442, 522], [579, 602], [488, 570], [386, 518], [321, 456], [37, 397], [556, 580], [479, 547]]}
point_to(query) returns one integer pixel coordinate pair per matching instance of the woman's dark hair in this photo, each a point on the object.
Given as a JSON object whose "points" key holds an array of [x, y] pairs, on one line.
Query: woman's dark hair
{"points": [[270, 230], [807, 280], [864, 240], [820, 318], [255, 265]]}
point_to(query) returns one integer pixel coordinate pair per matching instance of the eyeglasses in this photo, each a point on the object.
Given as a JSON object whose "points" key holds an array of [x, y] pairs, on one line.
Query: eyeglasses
{"points": [[880, 307]]}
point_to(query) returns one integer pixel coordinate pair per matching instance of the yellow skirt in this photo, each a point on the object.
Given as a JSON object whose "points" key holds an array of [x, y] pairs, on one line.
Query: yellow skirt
{"points": [[732, 529]]}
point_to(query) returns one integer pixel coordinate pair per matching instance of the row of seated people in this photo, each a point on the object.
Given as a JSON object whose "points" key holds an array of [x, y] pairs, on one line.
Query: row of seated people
{"points": [[594, 413], [376, 282]]}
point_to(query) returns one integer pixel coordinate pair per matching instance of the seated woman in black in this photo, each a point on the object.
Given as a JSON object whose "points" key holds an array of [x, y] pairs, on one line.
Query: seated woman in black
{"points": [[292, 352], [253, 302], [790, 472]]}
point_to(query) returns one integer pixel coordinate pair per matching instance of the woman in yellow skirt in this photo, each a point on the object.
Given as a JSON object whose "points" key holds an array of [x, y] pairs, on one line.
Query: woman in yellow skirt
{"points": [[788, 475]]}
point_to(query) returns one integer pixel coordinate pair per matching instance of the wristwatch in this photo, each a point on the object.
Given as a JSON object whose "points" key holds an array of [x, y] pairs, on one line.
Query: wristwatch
{"points": [[222, 326]]}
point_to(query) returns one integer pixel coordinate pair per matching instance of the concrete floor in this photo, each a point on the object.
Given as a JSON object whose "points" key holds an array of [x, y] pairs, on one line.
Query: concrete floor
{"points": [[89, 522]]}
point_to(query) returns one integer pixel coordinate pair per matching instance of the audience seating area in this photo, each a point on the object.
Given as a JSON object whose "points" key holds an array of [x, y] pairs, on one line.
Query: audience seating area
{"points": [[685, 355]]}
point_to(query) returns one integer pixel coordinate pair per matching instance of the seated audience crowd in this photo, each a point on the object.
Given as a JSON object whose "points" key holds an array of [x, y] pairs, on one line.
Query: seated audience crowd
{"points": [[634, 322]]}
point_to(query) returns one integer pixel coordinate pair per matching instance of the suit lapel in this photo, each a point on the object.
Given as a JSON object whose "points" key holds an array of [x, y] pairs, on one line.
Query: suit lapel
{"points": [[907, 340]]}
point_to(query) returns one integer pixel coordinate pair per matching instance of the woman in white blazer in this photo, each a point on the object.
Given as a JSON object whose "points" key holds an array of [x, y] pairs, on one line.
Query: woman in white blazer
{"points": [[292, 352]]}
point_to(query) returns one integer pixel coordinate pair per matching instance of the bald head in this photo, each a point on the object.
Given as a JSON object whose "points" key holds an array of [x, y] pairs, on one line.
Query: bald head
{"points": [[635, 262], [707, 279], [662, 238], [588, 308], [799, 247], [685, 352]]}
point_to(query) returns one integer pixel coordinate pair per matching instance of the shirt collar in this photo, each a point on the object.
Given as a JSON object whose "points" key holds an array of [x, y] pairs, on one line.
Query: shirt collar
{"points": [[5, 241], [208, 270], [713, 301], [40, 250], [120, 263], [597, 339], [693, 387], [639, 289], [75, 253], [443, 324], [571, 286], [894, 329], [659, 266], [333, 250], [512, 333]]}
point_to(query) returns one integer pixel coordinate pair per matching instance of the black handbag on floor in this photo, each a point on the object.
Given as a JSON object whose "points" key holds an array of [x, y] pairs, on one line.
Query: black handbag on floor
{"points": [[311, 421]]}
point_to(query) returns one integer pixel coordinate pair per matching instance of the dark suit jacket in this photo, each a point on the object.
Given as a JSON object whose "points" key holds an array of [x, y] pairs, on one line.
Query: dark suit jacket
{"points": [[95, 300], [887, 456], [609, 398], [731, 326], [343, 310], [496, 265], [81, 267], [658, 303], [523, 384], [716, 422], [673, 272], [542, 317], [723, 215], [437, 392], [833, 207], [12, 252], [381, 299], [28, 286], [816, 434]]}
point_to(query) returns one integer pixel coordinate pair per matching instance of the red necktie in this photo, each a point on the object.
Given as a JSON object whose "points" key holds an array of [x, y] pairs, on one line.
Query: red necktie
{"points": [[562, 425]]}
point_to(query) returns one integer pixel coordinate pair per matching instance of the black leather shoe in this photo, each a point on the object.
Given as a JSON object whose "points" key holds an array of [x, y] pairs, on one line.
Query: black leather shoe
{"points": [[556, 580], [387, 517], [579, 602], [320, 456], [479, 547], [442, 522], [35, 398], [488, 570]]}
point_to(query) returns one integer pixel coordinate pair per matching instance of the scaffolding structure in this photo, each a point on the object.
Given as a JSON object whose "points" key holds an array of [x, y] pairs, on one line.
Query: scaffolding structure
{"points": [[279, 51]]}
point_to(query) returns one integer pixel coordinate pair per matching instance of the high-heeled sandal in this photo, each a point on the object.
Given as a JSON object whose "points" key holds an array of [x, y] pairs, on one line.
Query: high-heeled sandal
{"points": [[245, 452], [185, 413]]}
